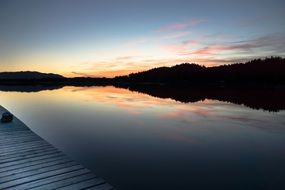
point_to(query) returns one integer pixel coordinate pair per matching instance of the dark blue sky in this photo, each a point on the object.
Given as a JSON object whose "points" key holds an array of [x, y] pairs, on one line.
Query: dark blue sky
{"points": [[106, 38]]}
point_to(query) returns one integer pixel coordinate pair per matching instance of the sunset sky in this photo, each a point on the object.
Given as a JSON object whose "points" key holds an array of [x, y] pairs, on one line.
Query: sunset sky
{"points": [[116, 37]]}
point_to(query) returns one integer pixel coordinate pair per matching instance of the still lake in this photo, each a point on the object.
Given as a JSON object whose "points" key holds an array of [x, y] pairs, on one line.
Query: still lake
{"points": [[138, 141]]}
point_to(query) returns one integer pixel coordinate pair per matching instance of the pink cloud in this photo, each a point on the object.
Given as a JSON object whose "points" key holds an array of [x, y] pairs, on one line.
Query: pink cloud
{"points": [[246, 47], [180, 48], [81, 74], [190, 42], [215, 49], [180, 25], [208, 50]]}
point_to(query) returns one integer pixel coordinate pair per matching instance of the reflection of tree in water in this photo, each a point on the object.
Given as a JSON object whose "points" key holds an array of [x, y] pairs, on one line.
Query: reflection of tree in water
{"points": [[28, 88], [270, 99]]}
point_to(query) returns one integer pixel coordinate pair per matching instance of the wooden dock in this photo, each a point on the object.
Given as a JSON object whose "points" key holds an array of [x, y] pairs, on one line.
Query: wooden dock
{"points": [[29, 162]]}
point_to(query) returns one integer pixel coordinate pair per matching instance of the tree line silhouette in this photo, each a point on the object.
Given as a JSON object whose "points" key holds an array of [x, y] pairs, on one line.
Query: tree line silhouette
{"points": [[267, 71], [258, 84]]}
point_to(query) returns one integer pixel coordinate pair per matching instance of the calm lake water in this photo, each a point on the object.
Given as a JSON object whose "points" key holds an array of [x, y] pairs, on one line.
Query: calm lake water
{"points": [[137, 141]]}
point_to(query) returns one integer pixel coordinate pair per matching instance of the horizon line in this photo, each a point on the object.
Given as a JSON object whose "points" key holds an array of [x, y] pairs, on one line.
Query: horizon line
{"points": [[85, 75]]}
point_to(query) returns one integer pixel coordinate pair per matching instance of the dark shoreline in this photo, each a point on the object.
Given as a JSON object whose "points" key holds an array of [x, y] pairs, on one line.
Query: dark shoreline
{"points": [[258, 84], [261, 96]]}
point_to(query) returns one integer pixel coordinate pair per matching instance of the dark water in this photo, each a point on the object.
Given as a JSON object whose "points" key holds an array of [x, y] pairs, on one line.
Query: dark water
{"points": [[138, 141]]}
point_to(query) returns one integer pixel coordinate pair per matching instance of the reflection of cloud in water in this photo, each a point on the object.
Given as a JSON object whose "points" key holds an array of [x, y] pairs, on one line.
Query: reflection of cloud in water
{"points": [[210, 112], [134, 102], [169, 119]]}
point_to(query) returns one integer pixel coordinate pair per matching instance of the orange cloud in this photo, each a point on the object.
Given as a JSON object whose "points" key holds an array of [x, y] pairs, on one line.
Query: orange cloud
{"points": [[191, 50], [105, 73], [207, 51], [133, 102]]}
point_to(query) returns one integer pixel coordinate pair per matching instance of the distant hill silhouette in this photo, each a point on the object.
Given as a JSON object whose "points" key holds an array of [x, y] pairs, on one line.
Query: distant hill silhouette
{"points": [[30, 78], [28, 75], [267, 71]]}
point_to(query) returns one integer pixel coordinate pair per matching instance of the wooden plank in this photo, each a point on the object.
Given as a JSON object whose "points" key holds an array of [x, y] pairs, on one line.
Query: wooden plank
{"points": [[13, 125], [23, 145], [30, 164], [48, 163], [13, 130], [65, 182], [36, 171], [39, 176], [104, 186], [30, 160], [83, 184], [51, 180], [14, 137], [20, 141], [8, 141], [23, 148], [4, 129], [15, 134], [25, 151], [27, 156]]}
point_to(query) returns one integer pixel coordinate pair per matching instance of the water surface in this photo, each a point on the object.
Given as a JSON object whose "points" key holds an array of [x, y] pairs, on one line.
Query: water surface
{"points": [[137, 141]]}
